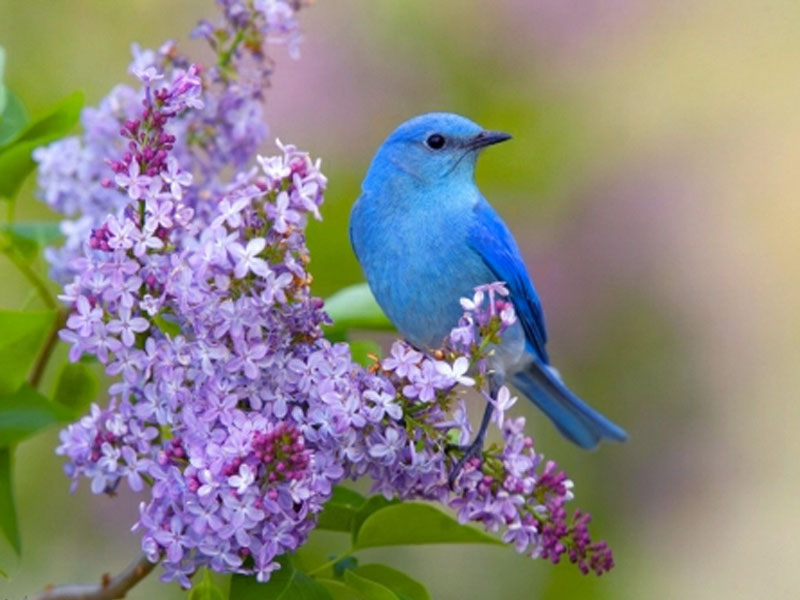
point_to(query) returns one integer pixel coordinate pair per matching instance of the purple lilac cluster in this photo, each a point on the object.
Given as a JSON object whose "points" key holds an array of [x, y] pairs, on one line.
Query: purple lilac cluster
{"points": [[191, 288], [185, 270], [411, 451], [209, 324], [209, 141]]}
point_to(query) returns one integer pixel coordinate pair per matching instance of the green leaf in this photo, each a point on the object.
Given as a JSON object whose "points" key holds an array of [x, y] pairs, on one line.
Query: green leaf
{"points": [[405, 587], [56, 122], [287, 583], [25, 412], [339, 512], [205, 589], [28, 238], [345, 496], [9, 242], [372, 505], [20, 343], [340, 590], [76, 387], [354, 307], [345, 564], [12, 119], [3, 95], [41, 232], [167, 325], [15, 165], [8, 512], [416, 523], [361, 350], [15, 156], [371, 590]]}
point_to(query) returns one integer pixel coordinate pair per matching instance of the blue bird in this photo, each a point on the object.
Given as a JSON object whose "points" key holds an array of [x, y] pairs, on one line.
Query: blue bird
{"points": [[426, 237]]}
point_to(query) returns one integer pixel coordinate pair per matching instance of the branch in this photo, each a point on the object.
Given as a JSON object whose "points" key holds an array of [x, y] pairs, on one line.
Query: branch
{"points": [[109, 587], [47, 350]]}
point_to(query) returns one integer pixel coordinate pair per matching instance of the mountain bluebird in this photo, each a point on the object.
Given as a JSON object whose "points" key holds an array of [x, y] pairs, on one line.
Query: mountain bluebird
{"points": [[426, 237]]}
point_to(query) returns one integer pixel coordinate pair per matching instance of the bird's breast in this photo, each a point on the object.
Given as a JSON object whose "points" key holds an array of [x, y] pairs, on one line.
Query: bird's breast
{"points": [[419, 265]]}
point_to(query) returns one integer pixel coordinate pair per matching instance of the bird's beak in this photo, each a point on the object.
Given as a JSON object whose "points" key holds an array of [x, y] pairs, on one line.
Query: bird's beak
{"points": [[487, 138]]}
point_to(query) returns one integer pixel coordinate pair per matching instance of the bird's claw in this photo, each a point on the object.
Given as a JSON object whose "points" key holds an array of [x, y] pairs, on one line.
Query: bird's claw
{"points": [[474, 450]]}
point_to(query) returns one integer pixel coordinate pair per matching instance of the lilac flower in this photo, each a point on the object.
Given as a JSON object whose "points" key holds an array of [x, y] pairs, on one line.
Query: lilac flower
{"points": [[243, 480], [146, 75], [247, 260], [383, 404], [457, 371], [403, 360], [230, 211], [281, 214], [128, 326], [502, 403], [159, 213], [86, 317], [132, 180], [424, 382], [387, 446], [176, 178], [172, 539], [145, 240], [473, 304]]}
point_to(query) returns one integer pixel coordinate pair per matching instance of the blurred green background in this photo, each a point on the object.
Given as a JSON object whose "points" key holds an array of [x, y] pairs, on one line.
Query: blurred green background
{"points": [[653, 187]]}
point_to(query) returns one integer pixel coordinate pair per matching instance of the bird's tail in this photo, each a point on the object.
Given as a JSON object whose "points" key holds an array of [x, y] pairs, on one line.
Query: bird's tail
{"points": [[575, 419]]}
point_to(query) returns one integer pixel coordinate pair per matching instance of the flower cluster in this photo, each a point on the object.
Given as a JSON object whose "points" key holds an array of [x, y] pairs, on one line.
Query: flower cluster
{"points": [[210, 325], [412, 451], [193, 291], [185, 270], [207, 141]]}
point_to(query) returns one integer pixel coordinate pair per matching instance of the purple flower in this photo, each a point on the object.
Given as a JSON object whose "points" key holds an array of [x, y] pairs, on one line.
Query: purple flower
{"points": [[502, 403], [247, 260], [176, 178], [147, 75], [403, 360], [387, 446], [128, 326], [230, 211], [424, 382], [86, 318], [133, 181], [172, 539], [456, 372], [281, 214], [243, 480], [383, 404]]}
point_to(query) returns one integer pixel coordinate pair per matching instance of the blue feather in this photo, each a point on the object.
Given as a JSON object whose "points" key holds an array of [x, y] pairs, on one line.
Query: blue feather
{"points": [[490, 238]]}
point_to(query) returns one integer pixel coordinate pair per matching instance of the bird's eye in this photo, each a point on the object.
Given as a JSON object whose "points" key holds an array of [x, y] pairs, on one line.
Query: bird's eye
{"points": [[435, 141]]}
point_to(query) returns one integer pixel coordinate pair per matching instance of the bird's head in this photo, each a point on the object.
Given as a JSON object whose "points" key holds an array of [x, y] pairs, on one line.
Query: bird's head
{"points": [[430, 148]]}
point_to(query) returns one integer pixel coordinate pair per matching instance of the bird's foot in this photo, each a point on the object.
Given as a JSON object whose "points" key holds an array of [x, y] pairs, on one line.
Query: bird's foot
{"points": [[473, 450]]}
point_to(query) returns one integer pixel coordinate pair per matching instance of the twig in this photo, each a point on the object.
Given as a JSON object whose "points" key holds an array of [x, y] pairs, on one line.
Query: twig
{"points": [[47, 351], [109, 587]]}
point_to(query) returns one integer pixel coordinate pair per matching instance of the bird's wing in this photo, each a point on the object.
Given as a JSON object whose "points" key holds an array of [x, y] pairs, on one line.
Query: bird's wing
{"points": [[492, 241]]}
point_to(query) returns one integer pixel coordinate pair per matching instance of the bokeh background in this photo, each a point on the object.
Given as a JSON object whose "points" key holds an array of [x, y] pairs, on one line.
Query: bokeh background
{"points": [[653, 187]]}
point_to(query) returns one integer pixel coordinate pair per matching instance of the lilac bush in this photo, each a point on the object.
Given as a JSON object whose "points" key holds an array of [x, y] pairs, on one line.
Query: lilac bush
{"points": [[185, 271]]}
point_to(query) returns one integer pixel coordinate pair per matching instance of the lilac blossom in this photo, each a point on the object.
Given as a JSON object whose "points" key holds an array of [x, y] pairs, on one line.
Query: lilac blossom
{"points": [[509, 488]]}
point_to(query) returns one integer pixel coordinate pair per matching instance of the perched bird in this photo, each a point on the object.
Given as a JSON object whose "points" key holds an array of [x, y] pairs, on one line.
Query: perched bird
{"points": [[426, 237]]}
